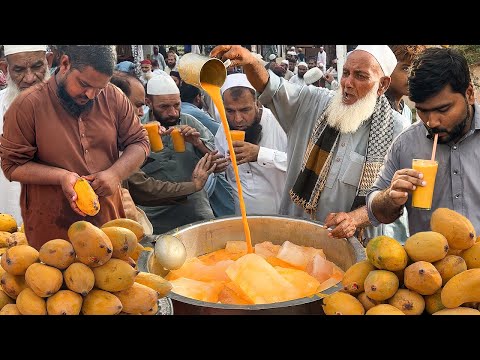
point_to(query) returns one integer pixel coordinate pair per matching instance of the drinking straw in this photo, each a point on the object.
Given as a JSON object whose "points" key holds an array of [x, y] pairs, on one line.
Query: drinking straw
{"points": [[434, 150]]}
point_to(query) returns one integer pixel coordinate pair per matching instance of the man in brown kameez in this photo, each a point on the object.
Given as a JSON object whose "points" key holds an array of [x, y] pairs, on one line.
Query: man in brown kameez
{"points": [[74, 125]]}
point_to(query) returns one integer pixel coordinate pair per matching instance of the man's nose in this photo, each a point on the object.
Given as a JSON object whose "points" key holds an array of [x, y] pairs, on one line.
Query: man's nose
{"points": [[29, 77], [237, 117], [92, 93], [172, 111], [432, 121], [347, 81]]}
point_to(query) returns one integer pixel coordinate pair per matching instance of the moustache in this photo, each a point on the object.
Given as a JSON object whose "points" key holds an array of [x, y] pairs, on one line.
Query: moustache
{"points": [[436, 130]]}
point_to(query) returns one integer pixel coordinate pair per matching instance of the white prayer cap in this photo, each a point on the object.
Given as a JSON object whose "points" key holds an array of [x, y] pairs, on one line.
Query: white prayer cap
{"points": [[302, 63], [272, 57], [162, 85], [383, 54], [292, 48], [312, 75], [15, 49], [234, 80], [257, 55], [259, 58], [284, 61]]}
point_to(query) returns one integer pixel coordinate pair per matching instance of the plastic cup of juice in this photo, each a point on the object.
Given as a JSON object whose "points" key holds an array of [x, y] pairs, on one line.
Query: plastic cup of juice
{"points": [[422, 196], [178, 140], [156, 143], [237, 135]]}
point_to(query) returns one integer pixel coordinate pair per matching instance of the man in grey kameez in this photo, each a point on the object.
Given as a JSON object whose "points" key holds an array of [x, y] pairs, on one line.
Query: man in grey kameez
{"points": [[299, 110]]}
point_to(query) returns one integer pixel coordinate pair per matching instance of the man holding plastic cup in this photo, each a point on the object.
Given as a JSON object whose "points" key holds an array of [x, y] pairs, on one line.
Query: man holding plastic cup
{"points": [[441, 87], [260, 146], [179, 157]]}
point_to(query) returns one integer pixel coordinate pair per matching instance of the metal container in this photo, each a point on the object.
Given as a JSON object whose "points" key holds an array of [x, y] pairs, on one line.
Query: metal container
{"points": [[195, 69], [207, 236]]}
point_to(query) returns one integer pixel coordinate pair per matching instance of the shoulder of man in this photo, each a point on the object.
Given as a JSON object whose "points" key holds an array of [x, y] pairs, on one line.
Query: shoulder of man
{"points": [[402, 120], [411, 133], [34, 94]]}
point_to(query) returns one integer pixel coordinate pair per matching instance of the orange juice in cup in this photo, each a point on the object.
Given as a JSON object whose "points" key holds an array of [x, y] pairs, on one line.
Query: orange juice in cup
{"points": [[178, 140], [156, 143], [237, 135], [422, 195]]}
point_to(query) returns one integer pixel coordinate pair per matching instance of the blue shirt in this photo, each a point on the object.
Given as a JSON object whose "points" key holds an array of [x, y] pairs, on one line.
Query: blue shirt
{"points": [[200, 115], [456, 183], [125, 66]]}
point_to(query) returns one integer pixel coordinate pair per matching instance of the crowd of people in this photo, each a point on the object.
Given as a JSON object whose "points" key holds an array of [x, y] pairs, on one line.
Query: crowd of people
{"points": [[336, 148]]}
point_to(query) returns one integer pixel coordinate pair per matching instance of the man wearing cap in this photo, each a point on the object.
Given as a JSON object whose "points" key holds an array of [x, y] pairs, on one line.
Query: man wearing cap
{"points": [[337, 141], [262, 157], [144, 189], [322, 58], [147, 74], [73, 125], [24, 66], [301, 70], [313, 76], [163, 99], [288, 74], [272, 60], [171, 61], [291, 55]]}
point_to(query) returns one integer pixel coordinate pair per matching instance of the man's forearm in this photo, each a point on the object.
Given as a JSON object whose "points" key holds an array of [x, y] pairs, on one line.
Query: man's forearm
{"points": [[360, 217], [203, 148], [257, 75], [384, 209], [148, 191], [35, 173], [131, 160]]}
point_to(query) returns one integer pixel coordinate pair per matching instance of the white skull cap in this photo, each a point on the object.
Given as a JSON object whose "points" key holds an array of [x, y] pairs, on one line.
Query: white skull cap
{"points": [[234, 80], [15, 49], [162, 85], [384, 56]]}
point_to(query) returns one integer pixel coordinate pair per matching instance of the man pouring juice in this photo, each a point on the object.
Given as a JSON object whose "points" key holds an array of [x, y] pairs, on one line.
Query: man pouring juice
{"points": [[420, 174]]}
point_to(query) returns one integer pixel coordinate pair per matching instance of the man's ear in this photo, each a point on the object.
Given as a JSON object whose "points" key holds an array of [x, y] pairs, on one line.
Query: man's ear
{"points": [[4, 66], [384, 84], [470, 94], [148, 102], [64, 63], [49, 57]]}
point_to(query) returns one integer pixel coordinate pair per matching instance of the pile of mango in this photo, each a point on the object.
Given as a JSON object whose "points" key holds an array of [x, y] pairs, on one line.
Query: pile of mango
{"points": [[435, 272], [94, 272], [10, 233]]}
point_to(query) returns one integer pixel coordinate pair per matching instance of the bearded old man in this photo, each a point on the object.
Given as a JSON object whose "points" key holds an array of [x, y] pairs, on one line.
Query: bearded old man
{"points": [[337, 141], [25, 65]]}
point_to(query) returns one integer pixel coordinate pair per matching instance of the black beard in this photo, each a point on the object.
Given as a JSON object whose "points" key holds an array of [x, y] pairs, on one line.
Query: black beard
{"points": [[253, 134], [69, 104], [165, 122], [455, 134]]}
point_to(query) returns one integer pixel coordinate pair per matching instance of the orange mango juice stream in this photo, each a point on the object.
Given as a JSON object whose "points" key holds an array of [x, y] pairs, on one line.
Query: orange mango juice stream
{"points": [[214, 92]]}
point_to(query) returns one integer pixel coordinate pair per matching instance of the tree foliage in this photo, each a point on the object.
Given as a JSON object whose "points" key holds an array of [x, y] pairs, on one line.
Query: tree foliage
{"points": [[471, 52]]}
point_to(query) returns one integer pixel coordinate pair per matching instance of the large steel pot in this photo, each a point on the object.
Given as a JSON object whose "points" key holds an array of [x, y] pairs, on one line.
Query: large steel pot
{"points": [[207, 236]]}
